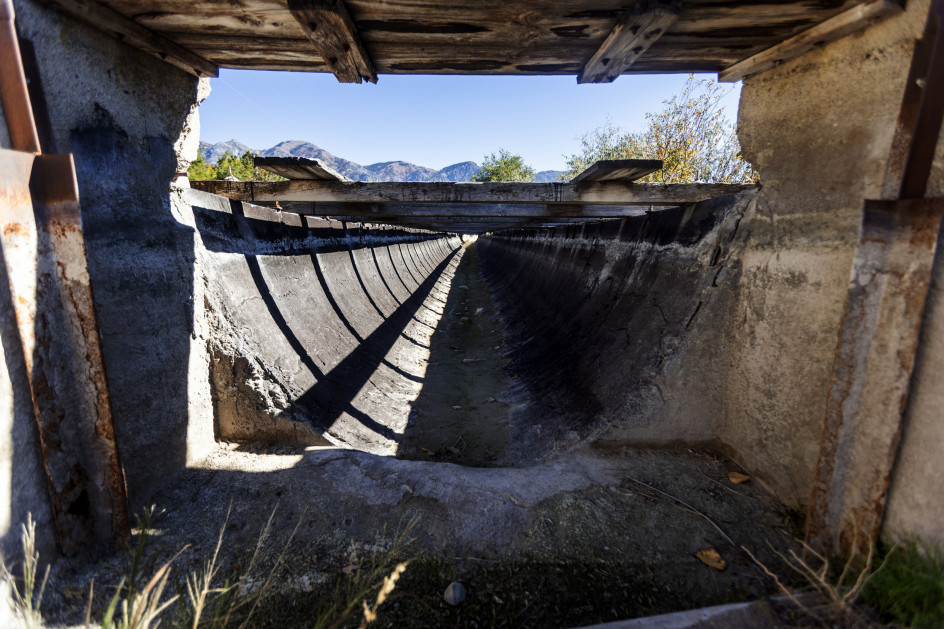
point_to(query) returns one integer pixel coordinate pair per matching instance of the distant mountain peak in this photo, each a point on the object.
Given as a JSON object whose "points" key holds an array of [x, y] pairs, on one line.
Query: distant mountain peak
{"points": [[381, 171]]}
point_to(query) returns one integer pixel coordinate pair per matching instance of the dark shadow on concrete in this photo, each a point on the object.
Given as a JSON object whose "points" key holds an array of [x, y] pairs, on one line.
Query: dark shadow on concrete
{"points": [[329, 295], [140, 263]]}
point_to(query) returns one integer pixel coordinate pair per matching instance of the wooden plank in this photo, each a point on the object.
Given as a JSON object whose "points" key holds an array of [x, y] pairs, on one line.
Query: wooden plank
{"points": [[135, 35], [299, 168], [528, 37], [619, 170], [328, 24], [635, 32], [832, 29], [590, 192], [452, 211]]}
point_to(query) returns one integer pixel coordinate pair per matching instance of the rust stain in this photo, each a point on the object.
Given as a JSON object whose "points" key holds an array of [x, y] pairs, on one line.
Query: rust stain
{"points": [[83, 471], [895, 255], [15, 228]]}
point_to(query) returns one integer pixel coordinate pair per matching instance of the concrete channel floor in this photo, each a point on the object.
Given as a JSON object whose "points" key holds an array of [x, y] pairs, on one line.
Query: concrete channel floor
{"points": [[591, 536], [462, 413], [594, 536]]}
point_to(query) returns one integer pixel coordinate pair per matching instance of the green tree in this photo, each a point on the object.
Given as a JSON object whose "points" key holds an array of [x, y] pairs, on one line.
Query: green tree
{"points": [[690, 135], [243, 168], [201, 170], [504, 167]]}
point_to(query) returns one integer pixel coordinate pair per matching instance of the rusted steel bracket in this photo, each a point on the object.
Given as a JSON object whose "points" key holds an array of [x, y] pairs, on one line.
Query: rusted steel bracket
{"points": [[871, 375], [882, 319], [45, 262]]}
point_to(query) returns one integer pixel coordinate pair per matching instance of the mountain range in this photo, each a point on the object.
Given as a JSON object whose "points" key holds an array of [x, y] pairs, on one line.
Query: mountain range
{"points": [[381, 171]]}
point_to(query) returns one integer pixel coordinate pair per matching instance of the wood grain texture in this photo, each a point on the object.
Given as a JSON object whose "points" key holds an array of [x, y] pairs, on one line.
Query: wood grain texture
{"points": [[444, 212], [634, 33], [832, 29], [133, 34], [522, 37], [330, 27], [590, 192], [619, 170], [299, 168]]}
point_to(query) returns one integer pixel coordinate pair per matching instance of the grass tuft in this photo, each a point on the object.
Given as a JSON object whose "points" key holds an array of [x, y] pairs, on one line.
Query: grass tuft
{"points": [[27, 597], [909, 589]]}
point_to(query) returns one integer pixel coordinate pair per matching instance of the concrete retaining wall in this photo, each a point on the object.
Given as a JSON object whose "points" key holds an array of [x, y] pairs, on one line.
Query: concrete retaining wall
{"points": [[818, 130], [123, 114]]}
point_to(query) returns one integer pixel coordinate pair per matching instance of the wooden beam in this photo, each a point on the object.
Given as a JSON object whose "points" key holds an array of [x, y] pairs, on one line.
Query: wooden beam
{"points": [[135, 35], [452, 211], [328, 24], [299, 168], [636, 30], [836, 27], [619, 170], [409, 192]]}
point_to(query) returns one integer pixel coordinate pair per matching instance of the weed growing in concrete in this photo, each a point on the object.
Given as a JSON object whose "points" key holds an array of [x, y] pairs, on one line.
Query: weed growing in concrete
{"points": [[139, 601], [27, 597], [838, 593], [368, 566], [910, 587]]}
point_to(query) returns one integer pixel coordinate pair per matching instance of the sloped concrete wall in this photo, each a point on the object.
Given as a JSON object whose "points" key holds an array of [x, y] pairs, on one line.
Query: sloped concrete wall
{"points": [[610, 324], [318, 331]]}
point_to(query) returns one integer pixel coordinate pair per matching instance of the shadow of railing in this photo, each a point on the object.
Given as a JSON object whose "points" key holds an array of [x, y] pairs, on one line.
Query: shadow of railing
{"points": [[331, 404]]}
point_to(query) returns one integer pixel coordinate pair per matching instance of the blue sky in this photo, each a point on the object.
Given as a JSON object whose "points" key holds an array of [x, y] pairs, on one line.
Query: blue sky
{"points": [[431, 121]]}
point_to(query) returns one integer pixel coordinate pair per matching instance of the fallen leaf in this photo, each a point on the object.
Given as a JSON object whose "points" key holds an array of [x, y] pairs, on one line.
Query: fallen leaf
{"points": [[711, 558], [349, 569], [737, 478]]}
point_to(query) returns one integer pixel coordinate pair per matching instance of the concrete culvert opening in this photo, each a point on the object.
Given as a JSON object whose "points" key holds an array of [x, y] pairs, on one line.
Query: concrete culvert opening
{"points": [[591, 400]]}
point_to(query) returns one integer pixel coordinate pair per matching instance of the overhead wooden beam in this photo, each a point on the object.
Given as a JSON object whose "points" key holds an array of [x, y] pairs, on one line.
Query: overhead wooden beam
{"points": [[836, 27], [299, 168], [330, 27], [464, 211], [409, 192], [637, 30], [619, 170], [135, 35]]}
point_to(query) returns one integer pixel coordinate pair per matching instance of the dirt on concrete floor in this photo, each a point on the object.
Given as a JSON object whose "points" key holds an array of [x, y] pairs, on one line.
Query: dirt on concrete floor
{"points": [[462, 413], [590, 537]]}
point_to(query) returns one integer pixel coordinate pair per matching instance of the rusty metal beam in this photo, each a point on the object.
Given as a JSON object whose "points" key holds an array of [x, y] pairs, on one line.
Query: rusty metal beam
{"points": [[871, 374], [14, 95], [930, 114], [45, 264], [44, 255]]}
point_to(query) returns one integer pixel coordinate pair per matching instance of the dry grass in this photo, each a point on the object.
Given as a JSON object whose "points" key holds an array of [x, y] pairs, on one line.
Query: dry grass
{"points": [[144, 604]]}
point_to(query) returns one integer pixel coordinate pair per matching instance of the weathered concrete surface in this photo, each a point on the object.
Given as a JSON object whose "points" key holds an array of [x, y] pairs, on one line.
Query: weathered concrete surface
{"points": [[818, 130], [606, 322], [120, 113], [579, 522], [318, 331], [915, 506]]}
